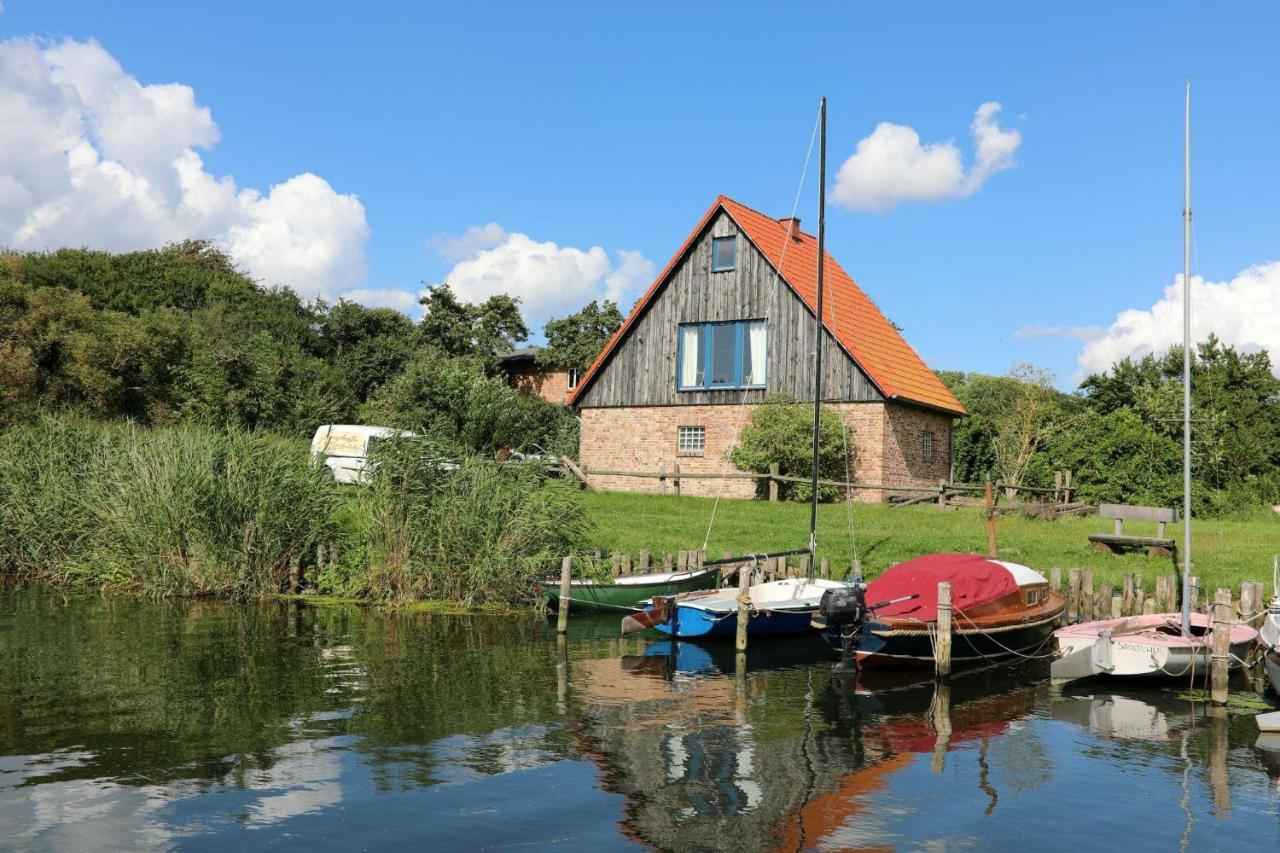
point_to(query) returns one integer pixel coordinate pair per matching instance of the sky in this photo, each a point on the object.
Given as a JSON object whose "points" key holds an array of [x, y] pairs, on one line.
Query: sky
{"points": [[1004, 179]]}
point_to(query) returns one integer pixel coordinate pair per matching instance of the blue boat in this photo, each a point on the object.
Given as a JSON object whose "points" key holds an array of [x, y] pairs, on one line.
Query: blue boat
{"points": [[779, 608]]}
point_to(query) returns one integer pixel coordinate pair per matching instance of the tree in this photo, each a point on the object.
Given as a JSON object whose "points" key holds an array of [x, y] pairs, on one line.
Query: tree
{"points": [[1023, 418], [576, 340], [780, 432], [368, 346], [457, 328]]}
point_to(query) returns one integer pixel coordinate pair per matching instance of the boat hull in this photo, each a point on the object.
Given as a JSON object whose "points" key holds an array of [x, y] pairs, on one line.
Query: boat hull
{"points": [[1272, 663], [1141, 647], [689, 622], [883, 647], [630, 592]]}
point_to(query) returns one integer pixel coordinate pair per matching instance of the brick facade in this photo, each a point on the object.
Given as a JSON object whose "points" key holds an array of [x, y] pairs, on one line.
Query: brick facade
{"points": [[529, 378], [887, 447]]}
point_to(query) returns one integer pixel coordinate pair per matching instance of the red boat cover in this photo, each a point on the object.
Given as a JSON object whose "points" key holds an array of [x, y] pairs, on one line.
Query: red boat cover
{"points": [[974, 580]]}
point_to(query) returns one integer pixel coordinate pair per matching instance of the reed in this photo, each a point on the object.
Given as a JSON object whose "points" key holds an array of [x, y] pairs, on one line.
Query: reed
{"points": [[173, 511]]}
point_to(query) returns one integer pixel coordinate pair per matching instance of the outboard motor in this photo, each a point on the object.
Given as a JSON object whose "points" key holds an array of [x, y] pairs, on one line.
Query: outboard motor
{"points": [[844, 609]]}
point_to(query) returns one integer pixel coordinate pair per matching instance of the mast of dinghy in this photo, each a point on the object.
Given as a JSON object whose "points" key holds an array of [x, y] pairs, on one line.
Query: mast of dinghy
{"points": [[1186, 368], [817, 334]]}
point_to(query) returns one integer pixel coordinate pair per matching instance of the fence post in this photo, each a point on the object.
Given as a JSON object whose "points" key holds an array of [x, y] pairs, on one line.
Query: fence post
{"points": [[562, 617], [942, 655], [1066, 487], [991, 521], [773, 481], [1221, 645], [677, 478], [1057, 486], [1086, 596], [942, 493]]}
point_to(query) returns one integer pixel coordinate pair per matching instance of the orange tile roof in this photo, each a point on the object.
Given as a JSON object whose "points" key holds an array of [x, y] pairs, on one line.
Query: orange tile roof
{"points": [[853, 319]]}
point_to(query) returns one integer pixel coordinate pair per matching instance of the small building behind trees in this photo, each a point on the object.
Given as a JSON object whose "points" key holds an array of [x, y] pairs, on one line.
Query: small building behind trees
{"points": [[729, 322], [526, 373]]}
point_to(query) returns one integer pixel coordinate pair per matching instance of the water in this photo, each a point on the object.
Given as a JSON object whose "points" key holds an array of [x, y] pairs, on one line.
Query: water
{"points": [[206, 725]]}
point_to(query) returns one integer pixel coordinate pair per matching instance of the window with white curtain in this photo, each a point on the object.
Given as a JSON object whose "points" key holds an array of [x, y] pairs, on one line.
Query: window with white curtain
{"points": [[722, 355]]}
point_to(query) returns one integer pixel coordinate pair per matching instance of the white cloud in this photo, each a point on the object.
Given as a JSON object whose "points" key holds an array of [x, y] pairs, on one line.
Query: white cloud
{"points": [[549, 279], [90, 156], [891, 166], [404, 301], [1242, 312]]}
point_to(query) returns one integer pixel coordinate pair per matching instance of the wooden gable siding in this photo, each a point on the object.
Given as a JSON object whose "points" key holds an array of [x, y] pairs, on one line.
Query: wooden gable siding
{"points": [[642, 369]]}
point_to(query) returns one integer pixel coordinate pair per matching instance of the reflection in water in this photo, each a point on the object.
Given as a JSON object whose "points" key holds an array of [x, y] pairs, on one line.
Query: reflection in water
{"points": [[132, 725]]}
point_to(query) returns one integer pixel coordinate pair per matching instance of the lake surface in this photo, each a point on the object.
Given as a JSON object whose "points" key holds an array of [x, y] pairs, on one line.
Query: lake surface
{"points": [[129, 724]]}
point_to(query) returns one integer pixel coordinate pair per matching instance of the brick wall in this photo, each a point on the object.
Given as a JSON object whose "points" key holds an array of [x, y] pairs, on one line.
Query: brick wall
{"points": [[886, 441], [529, 378]]}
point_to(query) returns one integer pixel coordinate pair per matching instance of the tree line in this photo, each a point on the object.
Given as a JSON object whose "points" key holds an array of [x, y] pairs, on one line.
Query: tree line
{"points": [[1121, 431], [179, 335]]}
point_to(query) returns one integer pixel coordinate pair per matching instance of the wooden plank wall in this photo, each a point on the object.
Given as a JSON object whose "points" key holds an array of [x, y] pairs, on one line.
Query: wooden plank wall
{"points": [[642, 370]]}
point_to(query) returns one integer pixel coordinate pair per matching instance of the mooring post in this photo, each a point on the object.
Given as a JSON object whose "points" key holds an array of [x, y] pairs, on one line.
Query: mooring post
{"points": [[744, 609], [562, 674], [1073, 596], [942, 655], [1221, 645], [991, 520], [562, 615]]}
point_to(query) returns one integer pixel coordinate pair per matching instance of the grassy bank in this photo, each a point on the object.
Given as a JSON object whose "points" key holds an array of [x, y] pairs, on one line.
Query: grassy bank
{"points": [[1226, 550]]}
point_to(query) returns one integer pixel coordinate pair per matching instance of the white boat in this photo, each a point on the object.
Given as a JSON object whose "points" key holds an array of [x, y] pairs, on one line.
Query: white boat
{"points": [[1269, 635], [1160, 644]]}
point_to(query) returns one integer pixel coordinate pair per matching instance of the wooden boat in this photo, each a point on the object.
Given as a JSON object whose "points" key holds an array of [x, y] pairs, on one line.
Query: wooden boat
{"points": [[1000, 610], [630, 591], [1160, 644]]}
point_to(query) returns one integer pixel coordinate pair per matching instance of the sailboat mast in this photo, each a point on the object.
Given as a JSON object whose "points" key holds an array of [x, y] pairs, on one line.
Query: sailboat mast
{"points": [[1186, 369], [817, 329]]}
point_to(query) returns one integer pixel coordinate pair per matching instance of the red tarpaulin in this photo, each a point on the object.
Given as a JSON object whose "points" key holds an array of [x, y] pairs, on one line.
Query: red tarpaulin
{"points": [[974, 580]]}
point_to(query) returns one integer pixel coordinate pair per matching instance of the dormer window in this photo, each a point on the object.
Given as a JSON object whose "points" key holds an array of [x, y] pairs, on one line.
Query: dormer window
{"points": [[724, 253]]}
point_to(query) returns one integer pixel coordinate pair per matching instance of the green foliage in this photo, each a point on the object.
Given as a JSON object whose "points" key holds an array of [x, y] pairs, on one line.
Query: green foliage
{"points": [[460, 329], [781, 432], [180, 510], [576, 340], [485, 532], [370, 346], [463, 408]]}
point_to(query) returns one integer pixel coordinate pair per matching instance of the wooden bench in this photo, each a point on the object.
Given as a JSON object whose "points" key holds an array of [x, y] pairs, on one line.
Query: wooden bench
{"points": [[1157, 546]]}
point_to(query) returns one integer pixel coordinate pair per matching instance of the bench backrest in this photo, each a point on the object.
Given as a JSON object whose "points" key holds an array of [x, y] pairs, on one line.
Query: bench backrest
{"points": [[1125, 512]]}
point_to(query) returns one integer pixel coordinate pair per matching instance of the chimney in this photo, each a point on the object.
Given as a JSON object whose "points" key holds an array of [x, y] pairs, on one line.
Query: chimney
{"points": [[793, 227]]}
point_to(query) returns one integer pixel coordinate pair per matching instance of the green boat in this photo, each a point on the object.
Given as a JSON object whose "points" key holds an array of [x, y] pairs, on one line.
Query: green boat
{"points": [[626, 592]]}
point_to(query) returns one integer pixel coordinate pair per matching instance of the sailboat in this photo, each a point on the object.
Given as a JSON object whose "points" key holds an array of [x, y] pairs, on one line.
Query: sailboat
{"points": [[782, 607], [1159, 644]]}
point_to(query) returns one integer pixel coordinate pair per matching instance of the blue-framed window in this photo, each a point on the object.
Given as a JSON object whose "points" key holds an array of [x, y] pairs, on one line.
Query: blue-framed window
{"points": [[722, 355], [724, 253]]}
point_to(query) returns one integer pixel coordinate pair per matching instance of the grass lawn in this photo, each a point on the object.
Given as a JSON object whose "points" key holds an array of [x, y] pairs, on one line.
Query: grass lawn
{"points": [[1227, 551]]}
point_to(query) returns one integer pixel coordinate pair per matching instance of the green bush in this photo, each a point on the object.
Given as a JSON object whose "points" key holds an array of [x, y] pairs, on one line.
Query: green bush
{"points": [[781, 431]]}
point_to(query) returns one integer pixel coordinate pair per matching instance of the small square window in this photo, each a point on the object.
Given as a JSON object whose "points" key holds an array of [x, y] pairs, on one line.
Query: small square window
{"points": [[928, 446], [724, 253], [691, 440], [575, 375]]}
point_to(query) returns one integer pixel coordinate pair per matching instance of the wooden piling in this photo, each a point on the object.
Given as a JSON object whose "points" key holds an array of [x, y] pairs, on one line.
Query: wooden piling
{"points": [[744, 610], [1221, 645], [1086, 596], [1102, 607], [1117, 605], [666, 562], [1073, 596], [804, 565], [321, 554], [942, 654], [824, 568], [566, 574], [645, 558], [295, 573], [1145, 606], [1126, 604], [615, 564], [1196, 598], [1248, 602], [1055, 579]]}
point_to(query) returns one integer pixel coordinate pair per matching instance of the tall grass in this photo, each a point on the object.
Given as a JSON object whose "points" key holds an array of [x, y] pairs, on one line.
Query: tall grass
{"points": [[181, 511], [485, 532]]}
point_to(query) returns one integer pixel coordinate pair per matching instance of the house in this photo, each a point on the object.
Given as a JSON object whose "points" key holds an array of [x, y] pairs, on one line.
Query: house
{"points": [[524, 373], [730, 320]]}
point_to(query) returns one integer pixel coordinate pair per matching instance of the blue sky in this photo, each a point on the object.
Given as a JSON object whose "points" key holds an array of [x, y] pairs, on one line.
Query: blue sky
{"points": [[590, 126]]}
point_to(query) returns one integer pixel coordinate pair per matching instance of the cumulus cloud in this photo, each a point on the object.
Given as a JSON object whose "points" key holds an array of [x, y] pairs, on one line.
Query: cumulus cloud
{"points": [[404, 301], [1242, 312], [91, 156], [549, 279], [891, 166]]}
